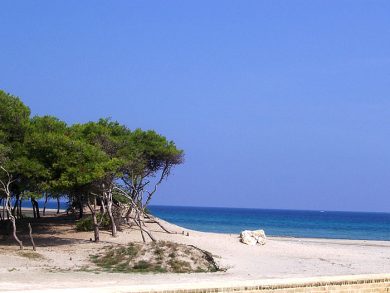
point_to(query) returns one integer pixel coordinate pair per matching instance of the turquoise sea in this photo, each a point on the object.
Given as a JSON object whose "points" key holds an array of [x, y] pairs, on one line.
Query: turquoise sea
{"points": [[293, 223]]}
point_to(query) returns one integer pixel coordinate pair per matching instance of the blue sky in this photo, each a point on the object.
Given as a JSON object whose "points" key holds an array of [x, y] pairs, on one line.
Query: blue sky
{"points": [[277, 104]]}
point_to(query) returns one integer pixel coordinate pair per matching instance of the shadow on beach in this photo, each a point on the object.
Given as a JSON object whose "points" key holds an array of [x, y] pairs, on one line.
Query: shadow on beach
{"points": [[49, 230]]}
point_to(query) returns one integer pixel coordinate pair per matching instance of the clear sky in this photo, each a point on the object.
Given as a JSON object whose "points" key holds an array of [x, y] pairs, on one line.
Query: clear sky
{"points": [[277, 104]]}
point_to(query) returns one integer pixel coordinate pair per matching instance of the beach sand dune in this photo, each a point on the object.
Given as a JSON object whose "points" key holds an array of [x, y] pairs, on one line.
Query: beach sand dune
{"points": [[65, 257]]}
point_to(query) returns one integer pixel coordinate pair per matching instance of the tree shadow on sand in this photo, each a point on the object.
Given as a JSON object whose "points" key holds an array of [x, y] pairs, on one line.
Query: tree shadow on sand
{"points": [[48, 231]]}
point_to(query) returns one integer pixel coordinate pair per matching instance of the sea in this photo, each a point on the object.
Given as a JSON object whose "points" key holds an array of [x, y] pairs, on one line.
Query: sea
{"points": [[51, 204], [282, 223]]}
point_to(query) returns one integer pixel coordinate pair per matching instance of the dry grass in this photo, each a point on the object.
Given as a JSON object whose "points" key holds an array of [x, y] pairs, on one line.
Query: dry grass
{"points": [[157, 257], [30, 254]]}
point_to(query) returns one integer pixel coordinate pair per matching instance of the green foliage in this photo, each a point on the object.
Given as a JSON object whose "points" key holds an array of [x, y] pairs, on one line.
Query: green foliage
{"points": [[14, 118], [3, 154], [14, 121], [86, 224], [149, 152], [119, 197], [83, 161]]}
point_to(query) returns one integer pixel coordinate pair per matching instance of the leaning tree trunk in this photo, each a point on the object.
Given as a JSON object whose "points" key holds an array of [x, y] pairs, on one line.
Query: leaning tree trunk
{"points": [[5, 187], [31, 237], [13, 221], [138, 212], [155, 221], [143, 229]]}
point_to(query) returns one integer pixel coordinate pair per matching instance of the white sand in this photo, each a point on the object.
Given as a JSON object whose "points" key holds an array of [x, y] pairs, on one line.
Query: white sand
{"points": [[279, 258]]}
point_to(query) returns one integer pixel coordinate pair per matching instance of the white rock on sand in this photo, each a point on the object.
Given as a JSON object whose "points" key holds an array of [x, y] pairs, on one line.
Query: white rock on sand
{"points": [[253, 237]]}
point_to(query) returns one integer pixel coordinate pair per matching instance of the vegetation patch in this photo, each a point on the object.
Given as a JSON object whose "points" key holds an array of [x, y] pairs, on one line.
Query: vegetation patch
{"points": [[13, 269], [86, 223], [30, 254], [156, 257]]}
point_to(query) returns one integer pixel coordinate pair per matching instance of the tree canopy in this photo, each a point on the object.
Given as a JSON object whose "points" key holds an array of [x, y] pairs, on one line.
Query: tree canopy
{"points": [[101, 165]]}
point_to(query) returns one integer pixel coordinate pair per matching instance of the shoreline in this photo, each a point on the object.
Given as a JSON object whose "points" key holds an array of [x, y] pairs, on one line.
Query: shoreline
{"points": [[358, 241], [277, 237], [295, 238]]}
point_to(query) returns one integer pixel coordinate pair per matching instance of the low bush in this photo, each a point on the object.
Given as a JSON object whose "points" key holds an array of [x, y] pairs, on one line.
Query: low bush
{"points": [[86, 223], [155, 257]]}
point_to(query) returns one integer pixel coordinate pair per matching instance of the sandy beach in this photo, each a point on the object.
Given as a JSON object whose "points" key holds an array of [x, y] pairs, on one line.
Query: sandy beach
{"points": [[65, 257]]}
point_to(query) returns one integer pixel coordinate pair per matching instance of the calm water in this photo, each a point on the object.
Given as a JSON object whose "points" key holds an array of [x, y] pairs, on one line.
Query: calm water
{"points": [[51, 204], [313, 224]]}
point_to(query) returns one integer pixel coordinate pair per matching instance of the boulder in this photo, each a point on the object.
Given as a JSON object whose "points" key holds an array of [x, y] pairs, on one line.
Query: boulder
{"points": [[253, 237]]}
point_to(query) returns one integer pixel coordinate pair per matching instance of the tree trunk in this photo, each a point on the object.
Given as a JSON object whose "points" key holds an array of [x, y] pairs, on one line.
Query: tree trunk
{"points": [[4, 202], [5, 187], [20, 209], [112, 220], [139, 223], [58, 205], [9, 209], [31, 237], [96, 231], [44, 205], [37, 209], [155, 221], [33, 208], [14, 209], [81, 211], [128, 213], [13, 221], [109, 210]]}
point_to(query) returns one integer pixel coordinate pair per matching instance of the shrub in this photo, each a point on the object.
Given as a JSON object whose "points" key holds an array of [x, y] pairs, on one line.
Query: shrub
{"points": [[86, 223], [156, 257]]}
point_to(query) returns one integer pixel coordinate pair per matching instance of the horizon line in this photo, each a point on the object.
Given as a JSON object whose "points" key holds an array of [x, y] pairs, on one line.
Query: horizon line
{"points": [[276, 209]]}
